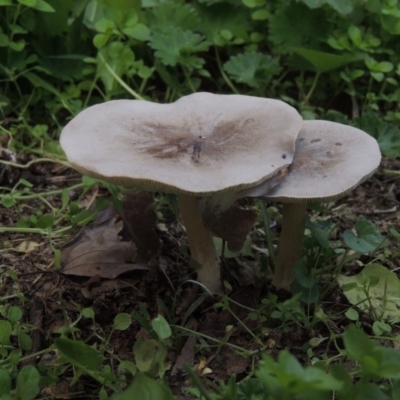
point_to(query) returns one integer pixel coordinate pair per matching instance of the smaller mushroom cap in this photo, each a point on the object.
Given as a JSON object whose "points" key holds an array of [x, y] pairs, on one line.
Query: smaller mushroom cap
{"points": [[330, 160], [201, 144]]}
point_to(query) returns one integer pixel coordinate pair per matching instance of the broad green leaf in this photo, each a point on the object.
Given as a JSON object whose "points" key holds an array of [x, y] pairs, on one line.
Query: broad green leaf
{"points": [[127, 366], [8, 201], [167, 15], [5, 382], [357, 343], [122, 321], [252, 68], [145, 388], [287, 30], [366, 239], [341, 6], [28, 383], [79, 354], [17, 46], [138, 32], [324, 62], [14, 314], [45, 222], [384, 297], [28, 3], [4, 41], [145, 351], [161, 327], [5, 332], [178, 47], [6, 2], [387, 135], [88, 313], [43, 6], [352, 314], [218, 18], [25, 341]]}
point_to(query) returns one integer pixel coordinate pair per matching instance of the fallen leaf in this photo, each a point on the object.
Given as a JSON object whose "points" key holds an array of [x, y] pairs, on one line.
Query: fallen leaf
{"points": [[186, 356], [383, 295], [98, 251], [140, 221], [27, 246], [232, 225]]}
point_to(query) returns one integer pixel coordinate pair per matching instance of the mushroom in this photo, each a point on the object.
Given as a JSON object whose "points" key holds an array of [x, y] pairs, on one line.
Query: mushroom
{"points": [[200, 145], [331, 159]]}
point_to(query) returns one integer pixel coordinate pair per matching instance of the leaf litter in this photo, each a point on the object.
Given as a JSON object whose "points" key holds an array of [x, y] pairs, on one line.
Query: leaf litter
{"points": [[109, 248], [142, 293]]}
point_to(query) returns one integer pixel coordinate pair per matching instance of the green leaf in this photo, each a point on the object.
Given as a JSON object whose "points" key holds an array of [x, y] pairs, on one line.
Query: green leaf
{"points": [[6, 3], [252, 68], [28, 3], [43, 6], [161, 327], [343, 7], [145, 388], [218, 18], [14, 314], [45, 222], [178, 47], [287, 30], [352, 314], [383, 297], [167, 15], [8, 201], [387, 135], [25, 341], [122, 321], [366, 239], [88, 313], [127, 366], [324, 62], [357, 343], [145, 352], [138, 32], [5, 382], [28, 383], [4, 41], [5, 332], [100, 40], [79, 354]]}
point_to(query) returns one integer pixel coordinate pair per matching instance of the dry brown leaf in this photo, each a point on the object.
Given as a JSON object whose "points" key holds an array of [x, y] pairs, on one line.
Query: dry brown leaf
{"points": [[98, 251], [139, 226], [232, 225]]}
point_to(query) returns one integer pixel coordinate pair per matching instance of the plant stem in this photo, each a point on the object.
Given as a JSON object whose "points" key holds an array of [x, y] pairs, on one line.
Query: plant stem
{"points": [[120, 81], [311, 91], [201, 244], [223, 74], [290, 245], [267, 229]]}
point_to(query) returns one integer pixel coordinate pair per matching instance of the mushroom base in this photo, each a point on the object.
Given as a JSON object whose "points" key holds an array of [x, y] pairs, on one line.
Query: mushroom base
{"points": [[201, 244], [290, 245]]}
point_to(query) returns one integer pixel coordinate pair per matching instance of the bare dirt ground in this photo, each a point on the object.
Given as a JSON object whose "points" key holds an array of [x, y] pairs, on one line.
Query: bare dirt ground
{"points": [[54, 298]]}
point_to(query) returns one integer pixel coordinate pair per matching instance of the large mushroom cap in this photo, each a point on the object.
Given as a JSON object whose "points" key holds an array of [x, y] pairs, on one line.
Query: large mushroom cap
{"points": [[202, 143], [330, 160]]}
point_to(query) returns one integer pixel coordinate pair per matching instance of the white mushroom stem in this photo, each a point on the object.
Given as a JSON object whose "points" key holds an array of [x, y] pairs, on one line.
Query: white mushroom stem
{"points": [[290, 244], [201, 244]]}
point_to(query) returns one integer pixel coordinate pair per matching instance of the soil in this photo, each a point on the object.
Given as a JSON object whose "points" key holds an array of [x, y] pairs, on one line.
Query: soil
{"points": [[54, 298]]}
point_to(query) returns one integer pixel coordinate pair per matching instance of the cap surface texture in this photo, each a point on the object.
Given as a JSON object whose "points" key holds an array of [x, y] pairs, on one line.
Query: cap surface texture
{"points": [[201, 144]]}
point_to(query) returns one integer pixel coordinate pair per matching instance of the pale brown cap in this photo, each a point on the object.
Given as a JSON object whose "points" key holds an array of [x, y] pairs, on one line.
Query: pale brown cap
{"points": [[330, 160], [201, 144]]}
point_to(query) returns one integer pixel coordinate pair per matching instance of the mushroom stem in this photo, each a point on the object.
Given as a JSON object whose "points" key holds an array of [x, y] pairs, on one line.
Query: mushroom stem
{"points": [[201, 244], [290, 245]]}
